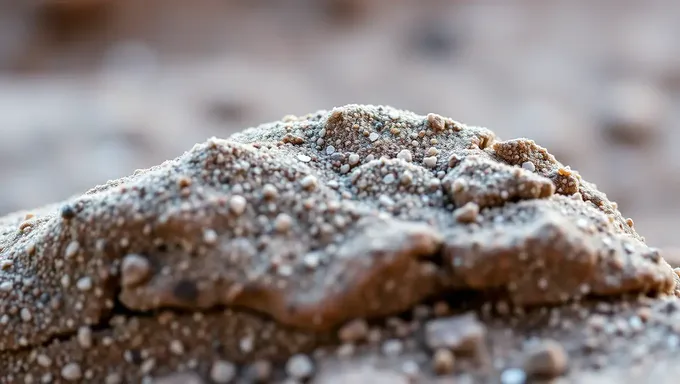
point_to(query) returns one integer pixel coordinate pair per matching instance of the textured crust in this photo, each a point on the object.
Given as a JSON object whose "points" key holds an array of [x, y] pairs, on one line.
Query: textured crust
{"points": [[310, 222]]}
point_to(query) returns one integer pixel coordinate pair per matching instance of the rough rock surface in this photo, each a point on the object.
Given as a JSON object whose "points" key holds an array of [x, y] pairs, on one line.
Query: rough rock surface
{"points": [[260, 246]]}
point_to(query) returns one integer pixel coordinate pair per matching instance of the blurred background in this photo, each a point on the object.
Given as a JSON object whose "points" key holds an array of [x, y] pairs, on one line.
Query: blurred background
{"points": [[91, 90]]}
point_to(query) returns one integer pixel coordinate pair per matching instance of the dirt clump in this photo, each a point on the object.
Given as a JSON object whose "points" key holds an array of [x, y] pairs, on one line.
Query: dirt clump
{"points": [[257, 249]]}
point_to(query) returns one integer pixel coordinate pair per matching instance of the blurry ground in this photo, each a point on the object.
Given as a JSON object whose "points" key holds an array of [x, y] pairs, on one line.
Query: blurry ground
{"points": [[90, 90]]}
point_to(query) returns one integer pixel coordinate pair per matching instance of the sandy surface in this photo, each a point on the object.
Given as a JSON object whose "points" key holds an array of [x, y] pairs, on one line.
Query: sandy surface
{"points": [[360, 244]]}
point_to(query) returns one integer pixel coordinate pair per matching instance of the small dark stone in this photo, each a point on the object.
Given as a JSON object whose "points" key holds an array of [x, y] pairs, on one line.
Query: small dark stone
{"points": [[218, 347], [135, 357], [45, 298], [67, 212], [186, 290]]}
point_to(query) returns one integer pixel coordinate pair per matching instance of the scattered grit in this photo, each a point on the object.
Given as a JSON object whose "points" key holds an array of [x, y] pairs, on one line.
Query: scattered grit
{"points": [[306, 244]]}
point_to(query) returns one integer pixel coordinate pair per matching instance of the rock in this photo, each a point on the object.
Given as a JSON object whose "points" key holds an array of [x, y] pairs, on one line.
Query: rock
{"points": [[355, 330], [442, 361], [223, 372], [300, 367], [548, 360], [462, 333]]}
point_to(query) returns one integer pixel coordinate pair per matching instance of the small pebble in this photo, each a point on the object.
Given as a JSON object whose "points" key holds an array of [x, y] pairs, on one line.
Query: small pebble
{"points": [[458, 333], [71, 249], [283, 223], [513, 376], [392, 347], [529, 166], [270, 192], [176, 347], [304, 158], [430, 162], [43, 361], [309, 182], [113, 378], [373, 136], [135, 269], [85, 337], [222, 372], [353, 159], [405, 155], [435, 122], [26, 315], [67, 212], [300, 367], [71, 372], [84, 284], [548, 359], [353, 331], [237, 204], [442, 361], [210, 236], [468, 213]]}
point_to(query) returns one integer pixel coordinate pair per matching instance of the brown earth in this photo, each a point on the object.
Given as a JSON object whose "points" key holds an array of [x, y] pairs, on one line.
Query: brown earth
{"points": [[415, 247]]}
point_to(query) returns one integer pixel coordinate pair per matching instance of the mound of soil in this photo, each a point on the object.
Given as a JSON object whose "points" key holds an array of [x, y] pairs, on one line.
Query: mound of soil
{"points": [[359, 244]]}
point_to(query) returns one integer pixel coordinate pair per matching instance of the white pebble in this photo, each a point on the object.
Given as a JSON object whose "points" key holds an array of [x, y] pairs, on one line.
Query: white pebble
{"points": [[353, 159], [430, 162], [6, 286], [84, 284], [405, 155], [209, 236], [246, 344], [300, 367], [222, 372], [26, 314], [373, 136], [309, 182], [513, 376], [71, 372], [71, 249], [304, 158], [43, 361], [176, 347], [392, 347], [237, 204], [529, 166], [283, 223], [85, 337], [330, 150], [311, 261]]}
